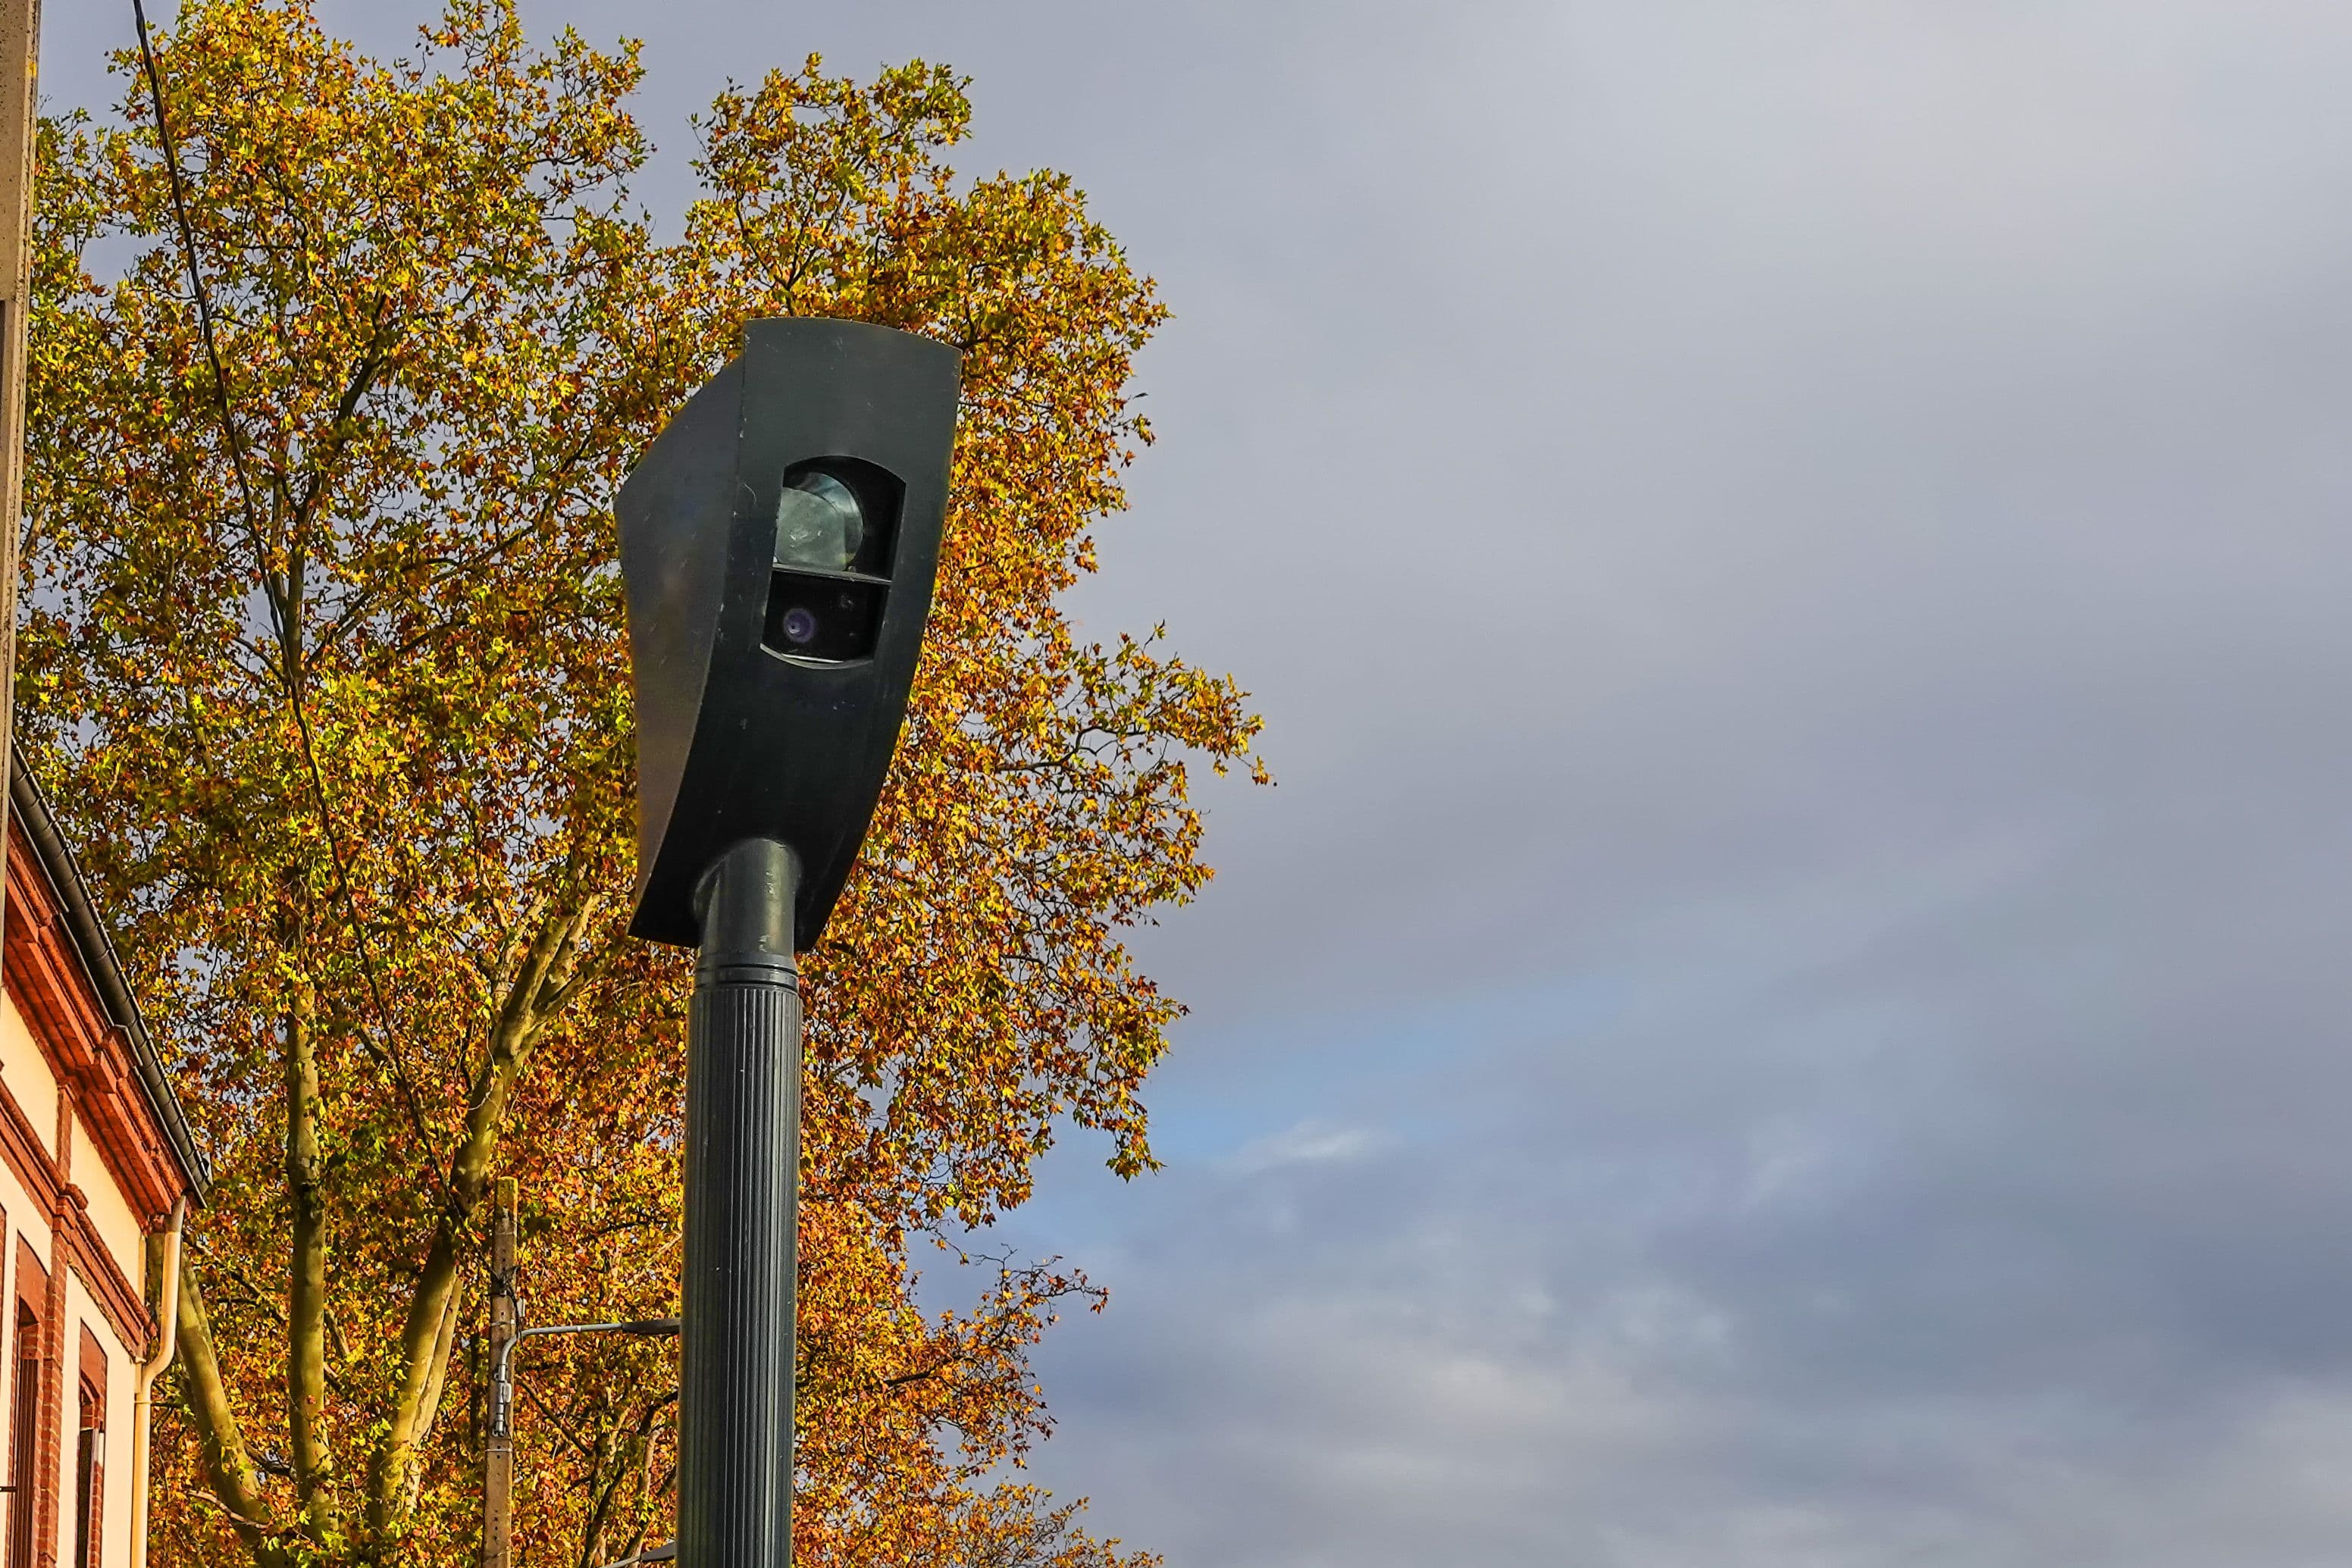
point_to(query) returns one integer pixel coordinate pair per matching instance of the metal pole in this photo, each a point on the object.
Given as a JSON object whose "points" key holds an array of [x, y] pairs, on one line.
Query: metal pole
{"points": [[742, 1170], [498, 1481], [502, 1362], [498, 1460], [20, 55]]}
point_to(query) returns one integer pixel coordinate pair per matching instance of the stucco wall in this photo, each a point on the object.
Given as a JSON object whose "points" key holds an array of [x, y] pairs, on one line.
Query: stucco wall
{"points": [[109, 1214], [23, 1219], [27, 1073], [25, 1076]]}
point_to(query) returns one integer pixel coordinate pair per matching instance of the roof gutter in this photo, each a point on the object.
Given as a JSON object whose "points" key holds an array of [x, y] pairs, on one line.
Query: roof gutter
{"points": [[105, 966]]}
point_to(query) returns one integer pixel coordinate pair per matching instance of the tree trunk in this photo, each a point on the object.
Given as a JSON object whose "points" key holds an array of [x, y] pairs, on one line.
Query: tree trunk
{"points": [[306, 1326], [228, 1468]]}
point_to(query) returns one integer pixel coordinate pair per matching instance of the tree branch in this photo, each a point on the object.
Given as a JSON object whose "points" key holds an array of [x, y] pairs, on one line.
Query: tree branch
{"points": [[542, 983], [311, 1457], [220, 1441], [431, 1405], [437, 1283]]}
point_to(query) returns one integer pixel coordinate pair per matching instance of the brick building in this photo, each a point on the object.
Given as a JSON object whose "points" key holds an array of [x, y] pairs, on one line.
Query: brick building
{"points": [[95, 1157]]}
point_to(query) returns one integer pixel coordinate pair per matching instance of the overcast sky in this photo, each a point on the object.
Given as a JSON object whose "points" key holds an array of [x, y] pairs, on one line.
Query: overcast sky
{"points": [[1789, 1008]]}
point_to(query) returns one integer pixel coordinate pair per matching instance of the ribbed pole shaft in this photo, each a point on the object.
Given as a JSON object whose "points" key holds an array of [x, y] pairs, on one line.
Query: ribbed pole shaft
{"points": [[742, 1166], [497, 1458]]}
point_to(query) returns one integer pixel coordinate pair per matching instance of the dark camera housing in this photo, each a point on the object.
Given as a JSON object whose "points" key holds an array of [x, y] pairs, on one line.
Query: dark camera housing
{"points": [[771, 682]]}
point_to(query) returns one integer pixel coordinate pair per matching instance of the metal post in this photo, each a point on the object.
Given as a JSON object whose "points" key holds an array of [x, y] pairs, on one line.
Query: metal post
{"points": [[498, 1460], [20, 55], [743, 1171]]}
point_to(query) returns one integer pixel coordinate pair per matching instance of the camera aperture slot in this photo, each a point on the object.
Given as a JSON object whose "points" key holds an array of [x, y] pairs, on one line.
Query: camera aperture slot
{"points": [[828, 618]]}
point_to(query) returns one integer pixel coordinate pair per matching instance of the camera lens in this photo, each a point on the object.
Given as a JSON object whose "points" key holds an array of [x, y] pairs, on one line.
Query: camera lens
{"points": [[818, 524], [821, 619]]}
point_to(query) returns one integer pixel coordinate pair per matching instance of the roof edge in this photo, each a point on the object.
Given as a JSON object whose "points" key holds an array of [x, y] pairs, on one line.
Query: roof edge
{"points": [[105, 965]]}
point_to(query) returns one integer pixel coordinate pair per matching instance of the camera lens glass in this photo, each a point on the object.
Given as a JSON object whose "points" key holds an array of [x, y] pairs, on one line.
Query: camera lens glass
{"points": [[814, 617], [818, 524]]}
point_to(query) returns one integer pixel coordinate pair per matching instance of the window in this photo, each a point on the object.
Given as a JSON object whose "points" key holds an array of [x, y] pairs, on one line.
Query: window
{"points": [[30, 1484], [89, 1477], [24, 1427], [89, 1455]]}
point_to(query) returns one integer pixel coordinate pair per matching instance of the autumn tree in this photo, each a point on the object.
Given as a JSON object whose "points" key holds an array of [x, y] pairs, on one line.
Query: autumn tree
{"points": [[325, 667]]}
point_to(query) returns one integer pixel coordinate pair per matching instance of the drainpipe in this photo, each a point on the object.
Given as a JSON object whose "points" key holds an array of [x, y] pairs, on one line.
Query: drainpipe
{"points": [[141, 1407]]}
